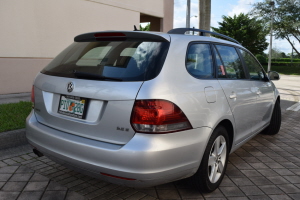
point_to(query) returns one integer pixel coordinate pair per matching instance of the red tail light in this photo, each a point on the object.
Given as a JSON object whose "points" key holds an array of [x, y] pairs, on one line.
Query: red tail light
{"points": [[158, 116], [32, 94]]}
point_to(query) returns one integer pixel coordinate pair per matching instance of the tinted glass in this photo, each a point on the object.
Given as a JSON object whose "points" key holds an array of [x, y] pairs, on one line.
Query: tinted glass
{"points": [[199, 61], [221, 68], [254, 68], [232, 62], [126, 61]]}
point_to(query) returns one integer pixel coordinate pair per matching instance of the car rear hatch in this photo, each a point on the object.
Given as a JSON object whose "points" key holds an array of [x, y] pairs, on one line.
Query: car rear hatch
{"points": [[89, 89]]}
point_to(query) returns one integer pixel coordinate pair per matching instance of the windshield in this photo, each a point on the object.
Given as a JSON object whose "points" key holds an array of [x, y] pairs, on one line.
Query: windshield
{"points": [[122, 60]]}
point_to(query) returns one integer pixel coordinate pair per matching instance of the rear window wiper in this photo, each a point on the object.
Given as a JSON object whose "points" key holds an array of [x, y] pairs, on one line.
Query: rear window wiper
{"points": [[86, 75]]}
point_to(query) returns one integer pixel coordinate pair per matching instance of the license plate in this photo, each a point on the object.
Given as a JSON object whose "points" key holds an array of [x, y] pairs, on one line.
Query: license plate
{"points": [[72, 106]]}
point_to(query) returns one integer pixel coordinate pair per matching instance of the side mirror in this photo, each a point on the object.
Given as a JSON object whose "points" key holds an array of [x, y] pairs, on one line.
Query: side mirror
{"points": [[274, 76]]}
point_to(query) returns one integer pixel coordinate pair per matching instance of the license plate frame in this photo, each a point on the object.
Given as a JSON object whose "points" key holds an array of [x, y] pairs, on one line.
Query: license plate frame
{"points": [[72, 106]]}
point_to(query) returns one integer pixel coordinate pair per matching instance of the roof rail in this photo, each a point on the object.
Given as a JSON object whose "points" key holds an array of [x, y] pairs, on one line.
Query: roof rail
{"points": [[202, 33]]}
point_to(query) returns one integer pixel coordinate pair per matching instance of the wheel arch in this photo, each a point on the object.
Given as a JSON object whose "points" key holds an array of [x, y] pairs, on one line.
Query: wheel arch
{"points": [[230, 130]]}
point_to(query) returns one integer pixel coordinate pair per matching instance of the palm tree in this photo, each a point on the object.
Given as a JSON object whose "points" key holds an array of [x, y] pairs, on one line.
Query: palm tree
{"points": [[204, 14]]}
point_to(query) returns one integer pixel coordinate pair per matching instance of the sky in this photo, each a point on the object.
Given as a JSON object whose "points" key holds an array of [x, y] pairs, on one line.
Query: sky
{"points": [[218, 9]]}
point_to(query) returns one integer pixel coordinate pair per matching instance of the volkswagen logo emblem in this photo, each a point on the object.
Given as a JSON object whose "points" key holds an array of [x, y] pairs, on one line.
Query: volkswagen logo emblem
{"points": [[70, 87]]}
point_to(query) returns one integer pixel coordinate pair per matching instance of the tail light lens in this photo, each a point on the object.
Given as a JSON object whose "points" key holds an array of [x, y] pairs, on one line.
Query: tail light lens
{"points": [[158, 116], [32, 95]]}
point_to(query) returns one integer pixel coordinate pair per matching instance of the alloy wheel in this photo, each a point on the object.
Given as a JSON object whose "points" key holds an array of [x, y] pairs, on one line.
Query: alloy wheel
{"points": [[217, 159]]}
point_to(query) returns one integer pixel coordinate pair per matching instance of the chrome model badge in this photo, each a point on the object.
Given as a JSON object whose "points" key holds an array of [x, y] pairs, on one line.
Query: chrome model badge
{"points": [[70, 87]]}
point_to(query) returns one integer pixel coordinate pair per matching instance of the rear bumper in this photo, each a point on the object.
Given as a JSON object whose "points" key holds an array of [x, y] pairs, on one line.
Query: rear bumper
{"points": [[146, 158]]}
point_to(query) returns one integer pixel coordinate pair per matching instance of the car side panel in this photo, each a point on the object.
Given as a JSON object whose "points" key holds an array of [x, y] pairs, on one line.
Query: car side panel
{"points": [[202, 100], [265, 103], [241, 97]]}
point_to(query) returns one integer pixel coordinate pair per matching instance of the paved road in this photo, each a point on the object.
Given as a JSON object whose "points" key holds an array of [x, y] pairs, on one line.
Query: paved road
{"points": [[289, 88], [267, 167]]}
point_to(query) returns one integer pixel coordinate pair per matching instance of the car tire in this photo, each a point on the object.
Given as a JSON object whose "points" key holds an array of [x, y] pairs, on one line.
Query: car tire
{"points": [[214, 162], [275, 122]]}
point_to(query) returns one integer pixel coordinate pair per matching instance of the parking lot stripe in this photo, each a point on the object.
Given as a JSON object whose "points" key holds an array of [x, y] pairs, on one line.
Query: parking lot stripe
{"points": [[295, 107]]}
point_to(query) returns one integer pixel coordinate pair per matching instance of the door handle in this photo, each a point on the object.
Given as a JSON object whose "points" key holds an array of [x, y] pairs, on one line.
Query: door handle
{"points": [[232, 96]]}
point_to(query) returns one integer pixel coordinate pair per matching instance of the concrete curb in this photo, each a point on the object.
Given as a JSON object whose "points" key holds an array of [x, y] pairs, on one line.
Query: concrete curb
{"points": [[14, 98], [12, 139]]}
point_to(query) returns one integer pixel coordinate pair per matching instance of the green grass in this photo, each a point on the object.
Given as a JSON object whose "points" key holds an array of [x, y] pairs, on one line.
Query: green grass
{"points": [[13, 115], [287, 70]]}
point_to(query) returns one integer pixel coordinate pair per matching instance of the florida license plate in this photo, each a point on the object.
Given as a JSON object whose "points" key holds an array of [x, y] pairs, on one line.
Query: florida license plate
{"points": [[72, 106]]}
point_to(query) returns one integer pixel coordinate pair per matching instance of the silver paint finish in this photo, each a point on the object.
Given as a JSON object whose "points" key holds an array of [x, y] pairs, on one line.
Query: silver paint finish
{"points": [[241, 97], [110, 107], [264, 104], [146, 157], [104, 90]]}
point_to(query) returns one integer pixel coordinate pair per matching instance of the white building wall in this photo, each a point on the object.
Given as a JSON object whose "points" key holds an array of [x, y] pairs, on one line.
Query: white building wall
{"points": [[35, 31], [149, 7], [43, 28]]}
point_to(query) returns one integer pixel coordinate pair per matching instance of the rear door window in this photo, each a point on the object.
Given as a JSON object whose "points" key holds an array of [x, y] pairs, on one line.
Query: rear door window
{"points": [[199, 61], [232, 68]]}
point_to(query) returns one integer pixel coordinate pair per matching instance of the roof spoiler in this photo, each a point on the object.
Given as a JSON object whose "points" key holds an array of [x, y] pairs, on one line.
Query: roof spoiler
{"points": [[120, 36], [202, 33]]}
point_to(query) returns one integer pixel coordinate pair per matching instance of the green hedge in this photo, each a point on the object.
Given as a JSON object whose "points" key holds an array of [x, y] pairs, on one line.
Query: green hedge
{"points": [[262, 59], [288, 64], [285, 60], [288, 70], [293, 64]]}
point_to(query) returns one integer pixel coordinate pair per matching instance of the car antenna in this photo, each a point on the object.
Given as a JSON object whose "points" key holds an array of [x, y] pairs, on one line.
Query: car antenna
{"points": [[135, 29]]}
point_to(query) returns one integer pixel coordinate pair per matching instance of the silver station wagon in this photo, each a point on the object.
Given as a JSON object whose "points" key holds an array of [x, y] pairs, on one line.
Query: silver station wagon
{"points": [[145, 108]]}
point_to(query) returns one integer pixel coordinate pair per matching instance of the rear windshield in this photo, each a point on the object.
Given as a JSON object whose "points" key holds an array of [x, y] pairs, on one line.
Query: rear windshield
{"points": [[110, 60]]}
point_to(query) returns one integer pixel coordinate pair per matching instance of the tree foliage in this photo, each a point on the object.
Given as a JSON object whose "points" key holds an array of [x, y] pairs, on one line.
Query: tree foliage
{"points": [[286, 24], [146, 28], [276, 53], [261, 58], [248, 31]]}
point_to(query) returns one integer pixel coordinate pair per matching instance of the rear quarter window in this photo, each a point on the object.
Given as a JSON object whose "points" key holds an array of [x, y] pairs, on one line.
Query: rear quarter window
{"points": [[199, 61]]}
